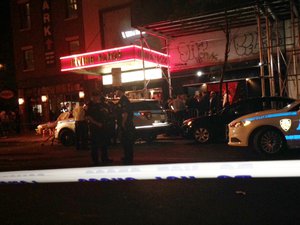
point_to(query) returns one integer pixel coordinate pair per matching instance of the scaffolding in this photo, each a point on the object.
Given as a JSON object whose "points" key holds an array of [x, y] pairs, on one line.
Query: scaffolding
{"points": [[279, 51], [278, 29], [167, 74]]}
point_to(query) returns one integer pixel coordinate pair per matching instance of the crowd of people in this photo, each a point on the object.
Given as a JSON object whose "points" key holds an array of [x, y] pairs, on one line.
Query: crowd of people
{"points": [[9, 122], [202, 103]]}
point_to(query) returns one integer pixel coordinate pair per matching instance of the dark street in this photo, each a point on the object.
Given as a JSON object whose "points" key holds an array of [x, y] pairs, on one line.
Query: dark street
{"points": [[189, 201]]}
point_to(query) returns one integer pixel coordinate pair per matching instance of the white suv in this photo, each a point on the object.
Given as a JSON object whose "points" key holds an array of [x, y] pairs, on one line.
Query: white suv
{"points": [[149, 119]]}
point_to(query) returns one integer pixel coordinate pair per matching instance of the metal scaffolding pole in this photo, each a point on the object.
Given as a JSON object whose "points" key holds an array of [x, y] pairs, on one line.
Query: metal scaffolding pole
{"points": [[293, 33], [261, 60], [168, 69], [270, 57], [143, 62], [281, 80]]}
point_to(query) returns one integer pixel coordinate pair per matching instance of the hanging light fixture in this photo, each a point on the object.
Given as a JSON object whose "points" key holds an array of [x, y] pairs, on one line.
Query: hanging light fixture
{"points": [[44, 98], [81, 94], [21, 101]]}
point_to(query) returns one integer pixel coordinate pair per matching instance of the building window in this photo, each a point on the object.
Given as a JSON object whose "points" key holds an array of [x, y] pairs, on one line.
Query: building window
{"points": [[24, 11], [72, 8], [74, 47], [28, 59]]}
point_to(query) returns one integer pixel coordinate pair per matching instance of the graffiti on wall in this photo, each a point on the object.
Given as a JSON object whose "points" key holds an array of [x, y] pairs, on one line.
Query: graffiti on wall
{"points": [[196, 51], [200, 50], [246, 44]]}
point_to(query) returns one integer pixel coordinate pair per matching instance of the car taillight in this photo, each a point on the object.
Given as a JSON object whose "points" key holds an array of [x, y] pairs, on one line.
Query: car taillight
{"points": [[148, 115]]}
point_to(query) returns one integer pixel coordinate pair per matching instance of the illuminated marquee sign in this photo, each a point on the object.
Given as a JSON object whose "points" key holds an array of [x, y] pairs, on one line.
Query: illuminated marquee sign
{"points": [[110, 56]]}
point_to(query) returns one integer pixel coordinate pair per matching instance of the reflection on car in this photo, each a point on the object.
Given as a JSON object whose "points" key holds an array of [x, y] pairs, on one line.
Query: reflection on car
{"points": [[149, 119], [205, 129], [269, 132], [52, 124]]}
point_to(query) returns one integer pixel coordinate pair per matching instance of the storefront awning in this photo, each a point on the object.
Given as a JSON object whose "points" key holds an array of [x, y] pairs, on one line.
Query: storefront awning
{"points": [[101, 62]]}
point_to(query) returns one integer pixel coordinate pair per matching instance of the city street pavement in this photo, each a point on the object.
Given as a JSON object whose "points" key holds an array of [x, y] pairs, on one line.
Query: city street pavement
{"points": [[24, 137], [33, 137], [231, 201], [29, 151]]}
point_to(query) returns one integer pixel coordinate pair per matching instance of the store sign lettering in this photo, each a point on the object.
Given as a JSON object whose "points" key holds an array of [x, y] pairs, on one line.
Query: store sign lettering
{"points": [[96, 59], [47, 30], [125, 53]]}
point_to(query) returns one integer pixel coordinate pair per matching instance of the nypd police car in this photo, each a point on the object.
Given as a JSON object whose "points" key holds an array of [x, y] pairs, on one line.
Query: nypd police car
{"points": [[269, 132], [149, 119]]}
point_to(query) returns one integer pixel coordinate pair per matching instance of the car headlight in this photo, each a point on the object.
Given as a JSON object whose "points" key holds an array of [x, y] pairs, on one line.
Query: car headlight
{"points": [[242, 123], [189, 123]]}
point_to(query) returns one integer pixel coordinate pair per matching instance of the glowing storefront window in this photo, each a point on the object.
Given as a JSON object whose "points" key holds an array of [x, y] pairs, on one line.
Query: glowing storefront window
{"points": [[107, 79], [150, 74]]}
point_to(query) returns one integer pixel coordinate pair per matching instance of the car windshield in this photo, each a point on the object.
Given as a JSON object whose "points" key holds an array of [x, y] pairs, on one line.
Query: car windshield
{"points": [[255, 105], [295, 106]]}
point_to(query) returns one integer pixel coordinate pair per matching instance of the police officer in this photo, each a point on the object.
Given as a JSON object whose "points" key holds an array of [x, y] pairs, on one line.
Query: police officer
{"points": [[81, 129], [97, 115], [125, 125]]}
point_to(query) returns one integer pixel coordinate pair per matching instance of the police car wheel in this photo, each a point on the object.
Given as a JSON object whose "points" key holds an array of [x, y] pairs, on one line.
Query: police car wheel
{"points": [[202, 135], [67, 138], [269, 142]]}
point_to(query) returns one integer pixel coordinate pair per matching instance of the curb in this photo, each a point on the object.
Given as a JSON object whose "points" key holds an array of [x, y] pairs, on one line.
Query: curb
{"points": [[22, 139]]}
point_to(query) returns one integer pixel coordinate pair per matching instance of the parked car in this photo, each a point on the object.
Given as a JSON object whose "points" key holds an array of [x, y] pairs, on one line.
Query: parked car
{"points": [[52, 124], [205, 129], [269, 132], [148, 116]]}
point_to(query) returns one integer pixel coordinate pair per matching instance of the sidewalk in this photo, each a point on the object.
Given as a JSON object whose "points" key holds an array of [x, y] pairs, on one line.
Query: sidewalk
{"points": [[25, 136], [31, 136]]}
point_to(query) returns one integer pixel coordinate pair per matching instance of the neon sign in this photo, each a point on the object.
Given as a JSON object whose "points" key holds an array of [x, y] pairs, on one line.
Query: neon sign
{"points": [[110, 56]]}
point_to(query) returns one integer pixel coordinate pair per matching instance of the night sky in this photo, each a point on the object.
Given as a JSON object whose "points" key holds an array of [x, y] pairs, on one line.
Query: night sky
{"points": [[4, 24], [7, 74]]}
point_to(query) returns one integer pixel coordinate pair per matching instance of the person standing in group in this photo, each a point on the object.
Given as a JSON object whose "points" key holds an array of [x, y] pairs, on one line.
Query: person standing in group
{"points": [[81, 128], [126, 126], [213, 103], [179, 109], [97, 115]]}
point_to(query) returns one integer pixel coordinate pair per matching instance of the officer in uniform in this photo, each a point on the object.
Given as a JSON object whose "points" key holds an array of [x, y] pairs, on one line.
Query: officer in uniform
{"points": [[81, 129], [97, 116], [125, 125]]}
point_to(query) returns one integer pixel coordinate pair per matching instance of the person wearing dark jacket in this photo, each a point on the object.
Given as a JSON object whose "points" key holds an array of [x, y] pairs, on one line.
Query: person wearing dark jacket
{"points": [[213, 103], [126, 126], [97, 116]]}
